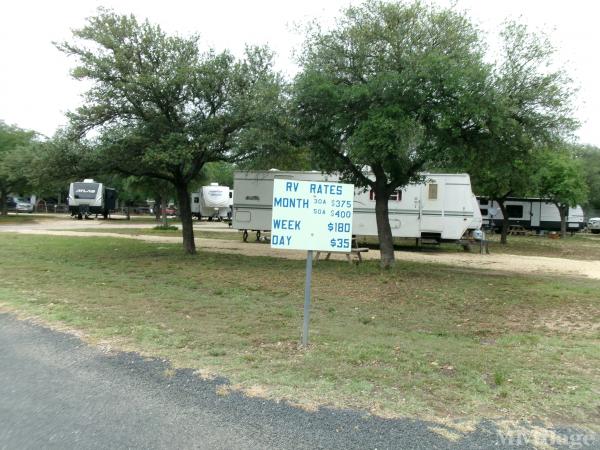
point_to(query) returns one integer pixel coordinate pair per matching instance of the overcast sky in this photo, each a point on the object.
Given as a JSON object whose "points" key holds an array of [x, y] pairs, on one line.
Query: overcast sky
{"points": [[36, 89]]}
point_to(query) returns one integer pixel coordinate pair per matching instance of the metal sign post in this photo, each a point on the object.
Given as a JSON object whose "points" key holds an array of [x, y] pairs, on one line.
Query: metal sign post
{"points": [[309, 259]]}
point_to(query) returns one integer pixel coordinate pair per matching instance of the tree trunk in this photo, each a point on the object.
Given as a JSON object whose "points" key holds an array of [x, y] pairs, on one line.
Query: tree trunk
{"points": [[185, 214], [384, 231], [563, 211], [505, 224], [3, 205], [127, 214], [163, 211], [157, 208]]}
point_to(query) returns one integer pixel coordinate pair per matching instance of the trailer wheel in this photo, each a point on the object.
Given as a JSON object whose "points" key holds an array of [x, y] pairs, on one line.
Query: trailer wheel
{"points": [[258, 236], [596, 231], [245, 236], [79, 216]]}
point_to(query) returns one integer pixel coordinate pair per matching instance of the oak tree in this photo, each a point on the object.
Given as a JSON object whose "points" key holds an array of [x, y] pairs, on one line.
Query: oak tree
{"points": [[159, 107], [385, 92]]}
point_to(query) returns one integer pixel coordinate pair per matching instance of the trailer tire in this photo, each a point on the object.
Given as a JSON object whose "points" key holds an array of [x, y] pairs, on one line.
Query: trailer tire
{"points": [[79, 216], [245, 236], [596, 231]]}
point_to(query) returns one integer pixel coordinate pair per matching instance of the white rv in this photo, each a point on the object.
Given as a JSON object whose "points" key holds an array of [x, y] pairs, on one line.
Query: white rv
{"points": [[594, 225], [90, 197], [211, 202], [530, 213], [443, 208]]}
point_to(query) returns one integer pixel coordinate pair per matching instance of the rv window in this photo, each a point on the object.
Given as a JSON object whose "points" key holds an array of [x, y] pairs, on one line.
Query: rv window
{"points": [[433, 191], [395, 196], [85, 190], [514, 211], [484, 211], [484, 201], [252, 197], [196, 199]]}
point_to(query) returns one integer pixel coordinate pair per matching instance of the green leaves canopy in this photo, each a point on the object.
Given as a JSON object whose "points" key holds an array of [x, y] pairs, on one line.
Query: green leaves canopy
{"points": [[526, 108], [16, 152], [561, 178], [160, 106], [389, 88]]}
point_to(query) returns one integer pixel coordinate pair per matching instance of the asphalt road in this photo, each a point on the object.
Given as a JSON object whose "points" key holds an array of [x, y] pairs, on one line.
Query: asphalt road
{"points": [[58, 392]]}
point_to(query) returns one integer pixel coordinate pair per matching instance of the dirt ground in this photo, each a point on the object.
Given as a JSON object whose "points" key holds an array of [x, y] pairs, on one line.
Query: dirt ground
{"points": [[494, 262]]}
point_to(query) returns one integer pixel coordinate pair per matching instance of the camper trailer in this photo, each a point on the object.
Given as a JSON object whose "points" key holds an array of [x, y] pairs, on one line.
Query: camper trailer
{"points": [[443, 208], [530, 213], [211, 202], [91, 197]]}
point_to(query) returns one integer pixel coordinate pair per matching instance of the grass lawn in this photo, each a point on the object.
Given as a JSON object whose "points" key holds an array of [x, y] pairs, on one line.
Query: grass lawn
{"points": [[418, 340], [580, 246]]}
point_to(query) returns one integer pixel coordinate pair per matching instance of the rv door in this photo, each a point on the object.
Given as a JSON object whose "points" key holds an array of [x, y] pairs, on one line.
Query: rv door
{"points": [[431, 207], [536, 213]]}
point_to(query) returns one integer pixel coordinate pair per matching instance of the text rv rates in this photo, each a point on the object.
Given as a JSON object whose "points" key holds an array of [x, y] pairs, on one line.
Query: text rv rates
{"points": [[316, 188]]}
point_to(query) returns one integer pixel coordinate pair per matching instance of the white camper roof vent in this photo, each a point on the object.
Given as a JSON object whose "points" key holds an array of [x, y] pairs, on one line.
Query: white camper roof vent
{"points": [[89, 180], [214, 184]]}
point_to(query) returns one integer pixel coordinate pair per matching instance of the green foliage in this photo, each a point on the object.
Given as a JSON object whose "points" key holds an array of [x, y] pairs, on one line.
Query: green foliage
{"points": [[16, 152], [217, 172], [380, 91], [60, 160], [589, 157], [166, 228], [561, 178], [525, 108]]}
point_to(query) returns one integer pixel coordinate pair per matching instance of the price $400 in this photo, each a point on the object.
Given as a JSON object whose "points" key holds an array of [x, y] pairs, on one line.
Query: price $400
{"points": [[339, 227], [340, 243]]}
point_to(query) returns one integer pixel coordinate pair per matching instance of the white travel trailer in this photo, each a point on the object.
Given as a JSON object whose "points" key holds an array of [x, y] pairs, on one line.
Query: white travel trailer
{"points": [[530, 213], [211, 202], [443, 208], [90, 197]]}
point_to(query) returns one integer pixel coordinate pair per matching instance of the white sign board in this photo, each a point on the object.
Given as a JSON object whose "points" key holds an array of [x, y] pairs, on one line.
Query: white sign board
{"points": [[312, 215]]}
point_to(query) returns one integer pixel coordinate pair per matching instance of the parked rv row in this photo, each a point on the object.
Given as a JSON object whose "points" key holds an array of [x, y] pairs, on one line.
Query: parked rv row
{"points": [[442, 208], [89, 197]]}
